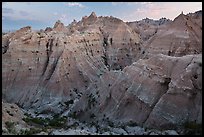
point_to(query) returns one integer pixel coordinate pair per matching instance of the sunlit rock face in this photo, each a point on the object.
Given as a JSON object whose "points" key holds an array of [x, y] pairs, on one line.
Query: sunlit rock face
{"points": [[159, 91], [102, 69], [179, 37], [12, 117], [147, 28]]}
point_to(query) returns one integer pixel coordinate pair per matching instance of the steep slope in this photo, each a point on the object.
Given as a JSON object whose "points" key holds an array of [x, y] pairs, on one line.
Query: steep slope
{"points": [[196, 17], [49, 67], [99, 70], [122, 45], [148, 27], [157, 92], [180, 37]]}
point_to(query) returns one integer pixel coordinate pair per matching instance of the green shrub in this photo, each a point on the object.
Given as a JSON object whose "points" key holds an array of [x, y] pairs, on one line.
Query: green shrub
{"points": [[56, 121], [10, 127], [91, 100], [132, 124], [26, 114], [192, 128], [69, 102], [39, 121], [110, 123], [92, 115], [73, 115], [30, 131], [9, 124]]}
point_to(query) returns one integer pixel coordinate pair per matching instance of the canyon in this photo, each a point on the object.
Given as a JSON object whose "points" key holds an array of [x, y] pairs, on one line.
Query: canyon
{"points": [[104, 71]]}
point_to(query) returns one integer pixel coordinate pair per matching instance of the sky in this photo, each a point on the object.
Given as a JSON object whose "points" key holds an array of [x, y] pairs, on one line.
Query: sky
{"points": [[40, 15]]}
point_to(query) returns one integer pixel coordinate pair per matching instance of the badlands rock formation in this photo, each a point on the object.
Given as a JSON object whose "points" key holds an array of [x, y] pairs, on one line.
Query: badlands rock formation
{"points": [[12, 118], [103, 70], [148, 27]]}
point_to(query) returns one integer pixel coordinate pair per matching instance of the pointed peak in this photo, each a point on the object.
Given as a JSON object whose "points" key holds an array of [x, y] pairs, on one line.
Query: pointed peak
{"points": [[74, 21], [58, 23], [93, 14], [180, 17], [48, 29], [91, 18], [59, 26], [24, 29], [84, 18]]}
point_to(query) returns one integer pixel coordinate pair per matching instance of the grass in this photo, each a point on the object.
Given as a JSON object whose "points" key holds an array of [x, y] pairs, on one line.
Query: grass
{"points": [[92, 115], [33, 131], [73, 115], [10, 127], [56, 121], [30, 131], [69, 102], [192, 128], [110, 123], [9, 124], [91, 100], [132, 124]]}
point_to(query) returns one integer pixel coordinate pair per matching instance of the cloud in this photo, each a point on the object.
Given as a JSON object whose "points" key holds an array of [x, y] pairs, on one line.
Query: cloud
{"points": [[29, 3], [74, 4], [17, 15], [117, 3], [7, 10], [126, 3], [157, 10], [55, 13], [145, 3], [153, 10], [24, 13], [130, 3]]}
